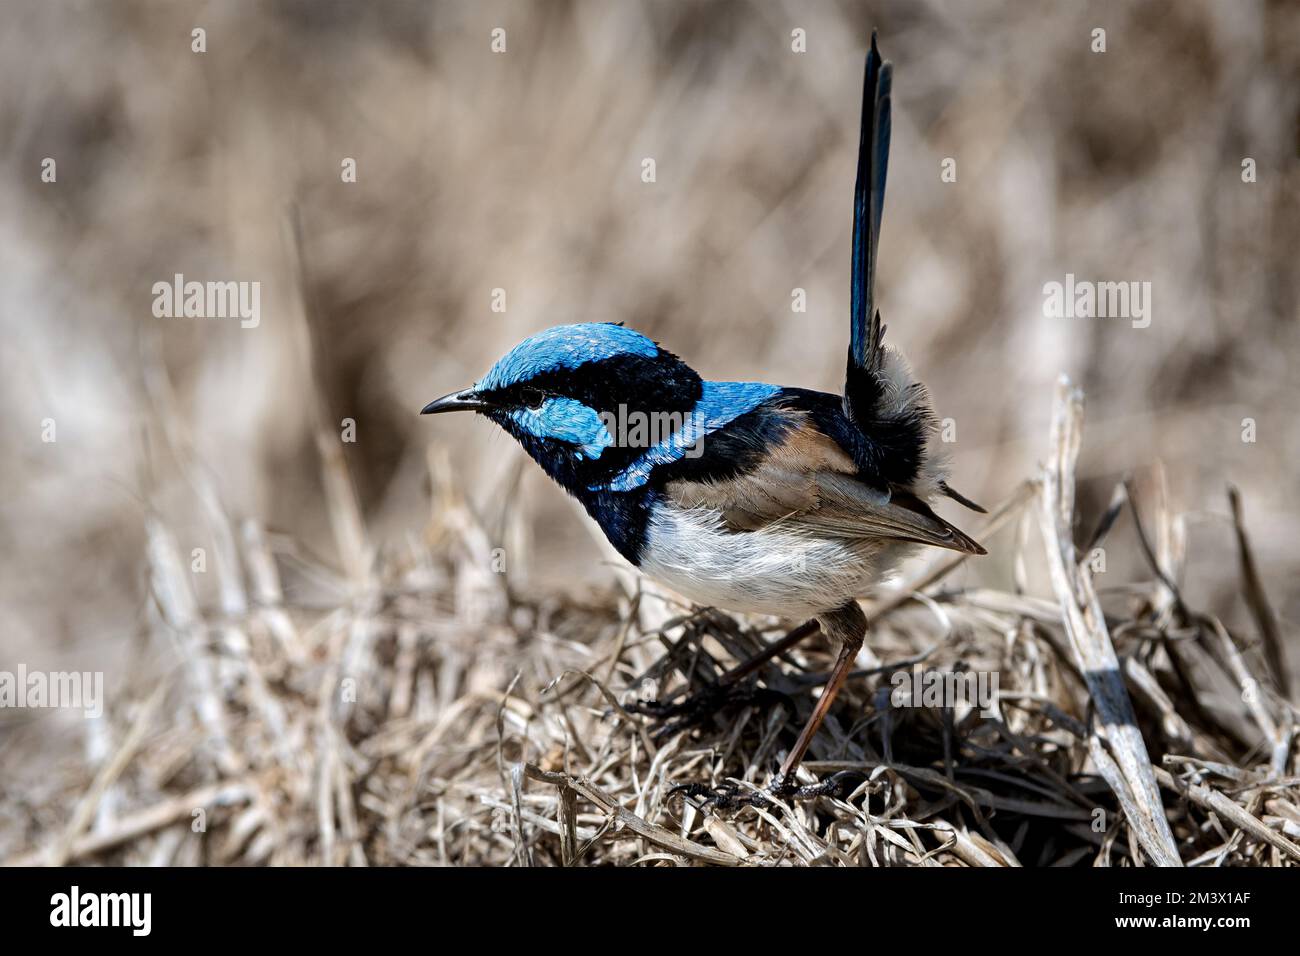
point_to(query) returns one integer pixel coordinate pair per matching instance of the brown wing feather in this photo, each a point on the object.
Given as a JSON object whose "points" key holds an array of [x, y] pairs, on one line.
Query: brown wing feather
{"points": [[808, 483], [784, 485], [905, 517]]}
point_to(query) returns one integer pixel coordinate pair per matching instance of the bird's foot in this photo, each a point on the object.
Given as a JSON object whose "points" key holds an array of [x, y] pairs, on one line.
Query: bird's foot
{"points": [[730, 795], [696, 709], [727, 795], [837, 785]]}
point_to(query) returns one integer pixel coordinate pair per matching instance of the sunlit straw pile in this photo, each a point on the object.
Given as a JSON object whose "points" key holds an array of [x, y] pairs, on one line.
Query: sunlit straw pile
{"points": [[435, 718]]}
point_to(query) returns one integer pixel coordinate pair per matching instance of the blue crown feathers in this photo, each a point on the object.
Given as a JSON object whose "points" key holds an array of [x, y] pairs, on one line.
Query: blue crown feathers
{"points": [[565, 347]]}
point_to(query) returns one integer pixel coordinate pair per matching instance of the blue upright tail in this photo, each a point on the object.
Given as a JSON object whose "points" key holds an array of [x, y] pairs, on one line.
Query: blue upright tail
{"points": [[868, 203]]}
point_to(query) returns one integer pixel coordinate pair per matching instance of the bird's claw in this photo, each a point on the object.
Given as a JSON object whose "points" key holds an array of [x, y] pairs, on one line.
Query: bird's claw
{"points": [[729, 795]]}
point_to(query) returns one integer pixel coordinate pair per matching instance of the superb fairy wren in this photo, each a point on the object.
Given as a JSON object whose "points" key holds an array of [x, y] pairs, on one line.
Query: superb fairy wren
{"points": [[762, 498]]}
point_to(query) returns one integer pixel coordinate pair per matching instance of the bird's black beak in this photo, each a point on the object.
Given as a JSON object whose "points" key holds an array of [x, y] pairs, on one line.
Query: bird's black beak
{"points": [[466, 400]]}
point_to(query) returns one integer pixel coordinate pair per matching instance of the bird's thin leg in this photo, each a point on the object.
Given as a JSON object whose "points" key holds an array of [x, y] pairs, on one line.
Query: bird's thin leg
{"points": [[849, 626]]}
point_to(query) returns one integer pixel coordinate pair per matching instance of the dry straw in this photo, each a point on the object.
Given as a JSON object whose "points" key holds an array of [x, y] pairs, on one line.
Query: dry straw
{"points": [[433, 717]]}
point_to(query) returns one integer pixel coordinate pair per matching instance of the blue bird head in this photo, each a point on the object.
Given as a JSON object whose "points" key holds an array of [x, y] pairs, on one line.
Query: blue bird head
{"points": [[559, 391]]}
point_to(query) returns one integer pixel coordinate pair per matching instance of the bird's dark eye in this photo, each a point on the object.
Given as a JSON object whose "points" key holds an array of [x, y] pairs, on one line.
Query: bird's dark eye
{"points": [[532, 398]]}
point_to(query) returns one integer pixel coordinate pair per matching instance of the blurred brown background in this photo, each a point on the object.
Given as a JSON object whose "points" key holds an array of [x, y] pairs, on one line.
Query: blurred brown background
{"points": [[522, 171]]}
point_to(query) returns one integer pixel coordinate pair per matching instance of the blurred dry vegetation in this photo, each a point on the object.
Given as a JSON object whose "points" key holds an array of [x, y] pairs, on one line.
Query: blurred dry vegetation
{"points": [[373, 561]]}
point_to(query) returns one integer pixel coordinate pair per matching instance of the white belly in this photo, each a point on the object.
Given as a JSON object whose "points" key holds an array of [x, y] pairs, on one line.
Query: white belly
{"points": [[770, 571]]}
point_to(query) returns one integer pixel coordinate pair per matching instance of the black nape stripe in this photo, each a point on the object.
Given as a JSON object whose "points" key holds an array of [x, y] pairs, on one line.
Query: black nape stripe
{"points": [[734, 450]]}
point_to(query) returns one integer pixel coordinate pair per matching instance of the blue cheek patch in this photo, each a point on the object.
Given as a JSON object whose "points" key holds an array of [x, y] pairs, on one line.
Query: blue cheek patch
{"points": [[720, 404], [567, 420]]}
